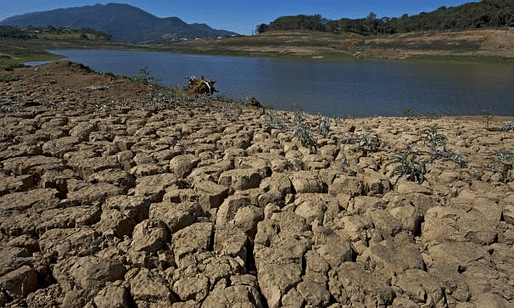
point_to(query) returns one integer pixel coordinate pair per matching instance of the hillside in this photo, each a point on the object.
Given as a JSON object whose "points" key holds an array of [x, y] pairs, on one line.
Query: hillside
{"points": [[124, 22], [473, 15]]}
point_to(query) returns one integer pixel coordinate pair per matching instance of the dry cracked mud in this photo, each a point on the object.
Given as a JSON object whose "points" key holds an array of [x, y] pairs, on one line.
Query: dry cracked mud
{"points": [[108, 201]]}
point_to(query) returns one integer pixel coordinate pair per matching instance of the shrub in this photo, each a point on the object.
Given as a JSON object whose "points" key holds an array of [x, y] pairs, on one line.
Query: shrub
{"points": [[408, 166]]}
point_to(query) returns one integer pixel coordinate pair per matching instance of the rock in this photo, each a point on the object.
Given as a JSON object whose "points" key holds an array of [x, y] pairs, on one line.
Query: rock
{"points": [[176, 216], [37, 200], [211, 194], [58, 147], [149, 289], [113, 297], [120, 178], [154, 187], [230, 207], [490, 300], [64, 243], [307, 182], [88, 273], [192, 288], [67, 218], [277, 271], [351, 185], [20, 282], [240, 179], [421, 287], [231, 241], [335, 250], [92, 194], [182, 165], [87, 167], [350, 283], [36, 165], [193, 239], [15, 184], [508, 214], [149, 236], [443, 224], [244, 292], [120, 214], [315, 294], [382, 257]]}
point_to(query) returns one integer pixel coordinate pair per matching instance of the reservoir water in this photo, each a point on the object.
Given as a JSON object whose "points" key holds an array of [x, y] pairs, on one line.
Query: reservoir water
{"points": [[358, 88]]}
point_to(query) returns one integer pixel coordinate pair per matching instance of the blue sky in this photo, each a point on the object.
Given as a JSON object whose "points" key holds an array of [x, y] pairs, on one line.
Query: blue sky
{"points": [[244, 16]]}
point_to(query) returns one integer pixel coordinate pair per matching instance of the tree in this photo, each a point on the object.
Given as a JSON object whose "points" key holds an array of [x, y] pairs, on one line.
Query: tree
{"points": [[262, 28]]}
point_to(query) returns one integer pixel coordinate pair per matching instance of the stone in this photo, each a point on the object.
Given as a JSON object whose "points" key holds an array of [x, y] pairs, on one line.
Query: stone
{"points": [[182, 165], [192, 288], [307, 182], [93, 194], [508, 214], [232, 241], [15, 184], [150, 235], [154, 186], [176, 216], [211, 194], [120, 214], [149, 289], [20, 282], [37, 200], [192, 239], [240, 179], [64, 243], [113, 297], [58, 147], [87, 273]]}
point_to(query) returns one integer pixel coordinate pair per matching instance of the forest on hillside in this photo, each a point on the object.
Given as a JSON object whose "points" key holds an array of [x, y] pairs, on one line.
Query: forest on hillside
{"points": [[483, 14], [51, 32]]}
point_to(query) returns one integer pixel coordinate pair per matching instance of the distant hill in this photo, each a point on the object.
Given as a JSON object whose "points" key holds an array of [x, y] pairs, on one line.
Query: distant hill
{"points": [[124, 22]]}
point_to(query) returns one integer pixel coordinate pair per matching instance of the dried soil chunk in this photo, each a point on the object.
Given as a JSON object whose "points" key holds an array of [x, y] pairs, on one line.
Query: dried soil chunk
{"points": [[154, 186], [193, 239], [182, 165], [58, 147], [36, 165], [240, 179], [176, 216], [15, 184], [20, 282], [36, 200], [120, 214], [149, 289]]}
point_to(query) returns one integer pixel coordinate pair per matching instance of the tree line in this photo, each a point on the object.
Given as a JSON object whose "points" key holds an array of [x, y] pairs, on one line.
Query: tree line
{"points": [[483, 14], [35, 32]]}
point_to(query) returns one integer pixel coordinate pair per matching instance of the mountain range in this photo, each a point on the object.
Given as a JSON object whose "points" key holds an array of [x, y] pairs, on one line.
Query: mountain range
{"points": [[124, 22]]}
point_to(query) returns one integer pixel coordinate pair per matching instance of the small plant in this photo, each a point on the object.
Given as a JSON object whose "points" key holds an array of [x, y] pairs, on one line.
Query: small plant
{"points": [[143, 77], [435, 141], [324, 127], [508, 127], [273, 121], [408, 166], [368, 144], [487, 114], [503, 162], [303, 131]]}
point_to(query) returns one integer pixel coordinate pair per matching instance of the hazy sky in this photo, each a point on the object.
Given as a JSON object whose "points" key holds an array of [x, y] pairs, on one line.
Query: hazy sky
{"points": [[244, 16]]}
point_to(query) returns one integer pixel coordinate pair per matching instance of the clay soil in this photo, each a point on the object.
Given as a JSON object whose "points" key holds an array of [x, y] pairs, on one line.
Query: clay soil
{"points": [[111, 199]]}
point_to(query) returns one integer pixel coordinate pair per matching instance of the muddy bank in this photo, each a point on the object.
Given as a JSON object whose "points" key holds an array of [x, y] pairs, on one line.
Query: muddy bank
{"points": [[108, 200]]}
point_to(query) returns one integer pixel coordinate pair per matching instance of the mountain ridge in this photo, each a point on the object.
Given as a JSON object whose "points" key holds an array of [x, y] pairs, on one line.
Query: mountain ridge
{"points": [[124, 22]]}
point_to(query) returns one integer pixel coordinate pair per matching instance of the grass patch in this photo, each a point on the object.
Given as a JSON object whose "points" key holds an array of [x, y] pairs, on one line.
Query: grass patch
{"points": [[16, 52], [457, 59]]}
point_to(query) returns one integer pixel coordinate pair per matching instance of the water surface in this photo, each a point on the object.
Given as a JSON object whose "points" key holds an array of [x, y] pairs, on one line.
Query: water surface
{"points": [[358, 88]]}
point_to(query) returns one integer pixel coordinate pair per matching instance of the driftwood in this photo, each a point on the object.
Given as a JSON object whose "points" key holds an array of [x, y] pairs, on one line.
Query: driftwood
{"points": [[200, 85]]}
